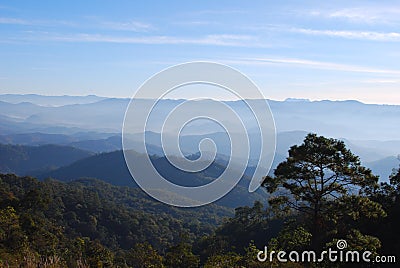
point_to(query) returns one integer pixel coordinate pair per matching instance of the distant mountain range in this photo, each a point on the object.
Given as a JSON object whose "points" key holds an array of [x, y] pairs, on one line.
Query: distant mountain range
{"points": [[50, 101], [349, 119], [36, 159], [93, 125]]}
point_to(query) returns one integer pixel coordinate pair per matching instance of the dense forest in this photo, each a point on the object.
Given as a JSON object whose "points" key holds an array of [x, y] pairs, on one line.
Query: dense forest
{"points": [[319, 194]]}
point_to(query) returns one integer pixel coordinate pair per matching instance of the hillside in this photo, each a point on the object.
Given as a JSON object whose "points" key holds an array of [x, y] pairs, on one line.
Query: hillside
{"points": [[22, 160], [384, 167], [111, 168], [89, 218]]}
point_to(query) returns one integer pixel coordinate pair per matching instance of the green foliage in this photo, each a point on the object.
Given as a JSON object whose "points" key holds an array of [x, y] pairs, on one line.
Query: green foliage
{"points": [[249, 225], [387, 229], [89, 222], [359, 242], [292, 238], [227, 260], [96, 255], [181, 256], [11, 237], [319, 182], [142, 255], [321, 191]]}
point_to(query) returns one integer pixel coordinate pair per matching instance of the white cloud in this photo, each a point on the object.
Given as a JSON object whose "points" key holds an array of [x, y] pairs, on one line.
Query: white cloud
{"points": [[19, 21], [135, 26], [354, 14], [362, 35], [314, 64], [217, 39], [195, 23], [380, 14], [14, 21], [381, 81], [219, 12]]}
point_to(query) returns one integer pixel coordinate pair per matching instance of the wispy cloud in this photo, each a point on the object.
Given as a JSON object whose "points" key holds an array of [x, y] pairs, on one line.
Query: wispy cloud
{"points": [[130, 25], [135, 26], [355, 14], [217, 39], [313, 64], [3, 7], [40, 68], [362, 35], [33, 22], [15, 21], [191, 23], [220, 12], [382, 81], [367, 14]]}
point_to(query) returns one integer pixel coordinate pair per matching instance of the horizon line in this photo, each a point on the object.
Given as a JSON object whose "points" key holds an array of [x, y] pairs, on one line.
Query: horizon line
{"points": [[288, 99]]}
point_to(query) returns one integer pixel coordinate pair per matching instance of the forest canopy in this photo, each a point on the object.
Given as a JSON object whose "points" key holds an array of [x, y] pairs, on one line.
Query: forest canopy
{"points": [[319, 194]]}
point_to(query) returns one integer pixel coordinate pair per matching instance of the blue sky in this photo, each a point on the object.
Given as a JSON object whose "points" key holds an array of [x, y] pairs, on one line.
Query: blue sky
{"points": [[302, 49]]}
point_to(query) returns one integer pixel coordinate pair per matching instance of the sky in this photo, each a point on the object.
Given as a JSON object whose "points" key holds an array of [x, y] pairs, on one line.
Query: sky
{"points": [[316, 50]]}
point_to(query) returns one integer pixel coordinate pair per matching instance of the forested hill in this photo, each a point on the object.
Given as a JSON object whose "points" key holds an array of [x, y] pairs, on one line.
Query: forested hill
{"points": [[111, 167], [24, 160], [52, 218]]}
